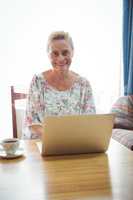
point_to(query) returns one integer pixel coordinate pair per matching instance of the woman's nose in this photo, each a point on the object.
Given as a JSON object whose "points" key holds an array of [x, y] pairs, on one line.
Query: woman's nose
{"points": [[60, 57]]}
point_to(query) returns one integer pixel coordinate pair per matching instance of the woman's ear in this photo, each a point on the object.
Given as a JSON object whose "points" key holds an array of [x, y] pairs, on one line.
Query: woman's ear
{"points": [[72, 53], [49, 54]]}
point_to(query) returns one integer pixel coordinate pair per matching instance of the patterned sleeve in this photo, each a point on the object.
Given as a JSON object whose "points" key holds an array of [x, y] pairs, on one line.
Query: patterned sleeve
{"points": [[88, 101], [35, 105]]}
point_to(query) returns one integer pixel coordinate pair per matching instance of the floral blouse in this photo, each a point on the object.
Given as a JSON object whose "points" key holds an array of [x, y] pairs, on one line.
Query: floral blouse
{"points": [[45, 100]]}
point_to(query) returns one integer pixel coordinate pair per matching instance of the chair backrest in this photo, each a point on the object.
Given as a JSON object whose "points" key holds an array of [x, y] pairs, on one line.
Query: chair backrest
{"points": [[15, 96]]}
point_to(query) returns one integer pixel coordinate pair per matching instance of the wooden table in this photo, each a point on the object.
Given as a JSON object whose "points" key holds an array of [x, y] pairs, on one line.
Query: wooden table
{"points": [[79, 177]]}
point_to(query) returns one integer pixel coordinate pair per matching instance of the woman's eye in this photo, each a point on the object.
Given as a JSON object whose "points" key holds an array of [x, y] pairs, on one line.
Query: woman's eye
{"points": [[65, 53], [55, 53]]}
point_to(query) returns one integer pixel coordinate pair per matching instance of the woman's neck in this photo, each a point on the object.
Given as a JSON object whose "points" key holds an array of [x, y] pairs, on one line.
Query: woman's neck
{"points": [[59, 80], [60, 75]]}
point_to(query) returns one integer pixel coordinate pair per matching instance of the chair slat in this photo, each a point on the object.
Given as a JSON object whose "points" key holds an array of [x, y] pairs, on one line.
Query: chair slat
{"points": [[15, 96]]}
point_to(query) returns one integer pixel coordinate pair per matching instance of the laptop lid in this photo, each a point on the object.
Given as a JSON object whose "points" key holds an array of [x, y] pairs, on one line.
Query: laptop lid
{"points": [[76, 134]]}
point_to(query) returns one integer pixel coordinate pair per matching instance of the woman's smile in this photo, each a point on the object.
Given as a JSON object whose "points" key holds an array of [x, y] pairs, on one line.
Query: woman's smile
{"points": [[61, 54]]}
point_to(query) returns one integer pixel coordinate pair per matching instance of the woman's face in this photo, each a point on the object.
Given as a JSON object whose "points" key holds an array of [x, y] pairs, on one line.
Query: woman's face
{"points": [[60, 54]]}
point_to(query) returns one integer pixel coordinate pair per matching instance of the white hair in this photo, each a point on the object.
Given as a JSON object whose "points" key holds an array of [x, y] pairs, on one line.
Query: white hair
{"points": [[59, 35]]}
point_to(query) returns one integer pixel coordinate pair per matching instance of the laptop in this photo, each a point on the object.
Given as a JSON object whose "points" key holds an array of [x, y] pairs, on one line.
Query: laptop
{"points": [[77, 134]]}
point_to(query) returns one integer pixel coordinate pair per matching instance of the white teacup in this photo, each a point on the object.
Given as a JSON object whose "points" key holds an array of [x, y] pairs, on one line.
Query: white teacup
{"points": [[10, 145]]}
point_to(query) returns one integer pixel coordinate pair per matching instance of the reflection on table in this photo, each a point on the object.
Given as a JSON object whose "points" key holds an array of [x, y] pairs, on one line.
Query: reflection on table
{"points": [[86, 176]]}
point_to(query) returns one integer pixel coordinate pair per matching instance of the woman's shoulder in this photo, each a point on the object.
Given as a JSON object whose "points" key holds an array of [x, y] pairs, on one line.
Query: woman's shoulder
{"points": [[37, 80], [39, 77], [81, 79]]}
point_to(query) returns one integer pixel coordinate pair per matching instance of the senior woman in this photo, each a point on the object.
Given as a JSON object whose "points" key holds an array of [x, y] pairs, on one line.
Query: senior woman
{"points": [[57, 91]]}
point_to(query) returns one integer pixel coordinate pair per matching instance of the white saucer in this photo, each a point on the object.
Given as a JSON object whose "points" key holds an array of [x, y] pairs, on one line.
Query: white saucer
{"points": [[18, 153]]}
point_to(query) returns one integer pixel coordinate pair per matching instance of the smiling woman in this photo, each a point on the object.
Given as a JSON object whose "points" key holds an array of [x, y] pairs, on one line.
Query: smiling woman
{"points": [[60, 51], [57, 91]]}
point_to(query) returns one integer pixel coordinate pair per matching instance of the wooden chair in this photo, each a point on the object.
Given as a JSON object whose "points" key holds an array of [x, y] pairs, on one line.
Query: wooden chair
{"points": [[15, 96]]}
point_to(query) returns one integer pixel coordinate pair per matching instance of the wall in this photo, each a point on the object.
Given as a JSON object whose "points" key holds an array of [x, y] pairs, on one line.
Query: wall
{"points": [[95, 27]]}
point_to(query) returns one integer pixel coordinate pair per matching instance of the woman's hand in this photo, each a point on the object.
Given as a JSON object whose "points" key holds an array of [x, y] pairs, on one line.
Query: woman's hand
{"points": [[37, 130]]}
